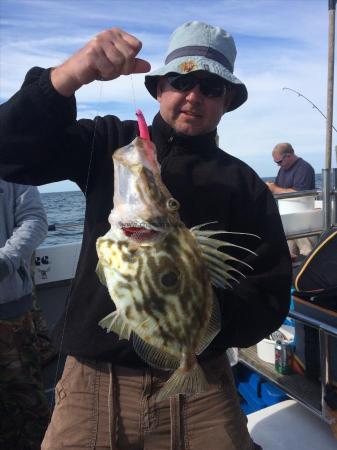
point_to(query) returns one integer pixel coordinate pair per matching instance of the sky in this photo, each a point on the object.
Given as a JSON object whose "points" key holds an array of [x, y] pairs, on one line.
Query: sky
{"points": [[280, 44]]}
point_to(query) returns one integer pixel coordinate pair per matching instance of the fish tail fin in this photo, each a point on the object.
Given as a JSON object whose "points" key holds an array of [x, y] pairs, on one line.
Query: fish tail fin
{"points": [[184, 382]]}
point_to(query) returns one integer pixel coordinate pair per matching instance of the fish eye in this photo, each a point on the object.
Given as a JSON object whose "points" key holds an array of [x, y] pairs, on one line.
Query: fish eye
{"points": [[172, 204], [169, 279]]}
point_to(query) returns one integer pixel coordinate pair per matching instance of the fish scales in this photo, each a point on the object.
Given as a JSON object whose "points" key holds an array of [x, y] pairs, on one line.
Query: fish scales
{"points": [[157, 272]]}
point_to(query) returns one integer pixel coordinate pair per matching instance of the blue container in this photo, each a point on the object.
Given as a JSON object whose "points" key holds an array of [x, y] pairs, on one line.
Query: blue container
{"points": [[251, 401], [255, 391], [272, 394]]}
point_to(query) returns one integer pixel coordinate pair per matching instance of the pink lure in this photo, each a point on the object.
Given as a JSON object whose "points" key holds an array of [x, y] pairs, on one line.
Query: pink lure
{"points": [[143, 129], [145, 135]]}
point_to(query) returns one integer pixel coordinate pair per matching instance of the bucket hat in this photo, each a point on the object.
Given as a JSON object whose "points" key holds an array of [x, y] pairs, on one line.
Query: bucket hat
{"points": [[199, 46]]}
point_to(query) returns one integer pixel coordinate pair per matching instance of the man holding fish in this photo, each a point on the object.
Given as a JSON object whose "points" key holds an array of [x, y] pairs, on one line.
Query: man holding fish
{"points": [[191, 256]]}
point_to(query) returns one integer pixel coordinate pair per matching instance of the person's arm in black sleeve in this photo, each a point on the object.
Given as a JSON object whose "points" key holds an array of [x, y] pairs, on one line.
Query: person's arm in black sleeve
{"points": [[41, 141], [260, 303]]}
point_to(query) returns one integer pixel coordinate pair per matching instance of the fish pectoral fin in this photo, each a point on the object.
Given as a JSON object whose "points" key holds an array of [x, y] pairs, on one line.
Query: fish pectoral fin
{"points": [[192, 381], [116, 323], [155, 357], [100, 273], [213, 328]]}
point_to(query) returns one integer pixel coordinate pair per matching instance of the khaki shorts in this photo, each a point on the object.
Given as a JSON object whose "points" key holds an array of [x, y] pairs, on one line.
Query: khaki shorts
{"points": [[103, 407]]}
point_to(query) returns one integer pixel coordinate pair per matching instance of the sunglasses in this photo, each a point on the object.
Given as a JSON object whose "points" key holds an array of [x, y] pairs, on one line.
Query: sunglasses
{"points": [[209, 87], [279, 162]]}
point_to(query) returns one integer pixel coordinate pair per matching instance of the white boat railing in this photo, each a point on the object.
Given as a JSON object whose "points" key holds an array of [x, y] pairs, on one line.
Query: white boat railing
{"points": [[301, 213]]}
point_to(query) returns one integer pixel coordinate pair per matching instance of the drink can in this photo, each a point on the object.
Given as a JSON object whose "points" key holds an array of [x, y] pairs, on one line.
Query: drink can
{"points": [[283, 357]]}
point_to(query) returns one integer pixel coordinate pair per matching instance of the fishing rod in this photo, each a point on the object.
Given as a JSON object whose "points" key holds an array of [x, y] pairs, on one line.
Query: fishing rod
{"points": [[311, 103]]}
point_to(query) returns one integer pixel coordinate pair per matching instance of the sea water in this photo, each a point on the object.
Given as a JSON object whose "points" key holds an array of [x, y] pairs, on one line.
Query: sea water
{"points": [[65, 212]]}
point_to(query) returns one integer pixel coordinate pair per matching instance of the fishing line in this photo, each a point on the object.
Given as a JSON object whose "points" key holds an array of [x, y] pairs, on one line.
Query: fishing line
{"points": [[76, 256], [93, 137], [133, 93]]}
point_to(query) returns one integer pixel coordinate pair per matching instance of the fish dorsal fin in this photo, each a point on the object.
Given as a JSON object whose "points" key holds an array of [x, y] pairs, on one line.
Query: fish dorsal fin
{"points": [[197, 228], [204, 237], [152, 355], [217, 262], [214, 326]]}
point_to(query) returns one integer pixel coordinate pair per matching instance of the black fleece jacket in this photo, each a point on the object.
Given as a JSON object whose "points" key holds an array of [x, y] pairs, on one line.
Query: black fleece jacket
{"points": [[41, 142]]}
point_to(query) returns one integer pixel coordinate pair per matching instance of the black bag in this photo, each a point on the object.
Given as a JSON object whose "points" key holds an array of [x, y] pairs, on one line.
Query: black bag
{"points": [[315, 296], [316, 279]]}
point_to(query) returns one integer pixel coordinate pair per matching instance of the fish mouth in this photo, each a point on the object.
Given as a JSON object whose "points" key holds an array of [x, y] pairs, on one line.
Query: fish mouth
{"points": [[143, 230], [140, 234]]}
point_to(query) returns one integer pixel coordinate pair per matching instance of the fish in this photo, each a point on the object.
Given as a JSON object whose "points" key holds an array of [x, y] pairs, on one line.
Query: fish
{"points": [[159, 274]]}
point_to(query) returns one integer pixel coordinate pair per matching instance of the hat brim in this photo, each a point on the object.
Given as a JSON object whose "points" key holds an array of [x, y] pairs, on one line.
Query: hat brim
{"points": [[192, 64]]}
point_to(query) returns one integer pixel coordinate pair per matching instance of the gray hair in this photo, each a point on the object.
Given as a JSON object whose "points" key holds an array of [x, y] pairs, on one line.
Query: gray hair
{"points": [[284, 148]]}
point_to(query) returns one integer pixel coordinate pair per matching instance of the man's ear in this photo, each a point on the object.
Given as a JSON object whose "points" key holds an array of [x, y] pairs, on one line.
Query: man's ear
{"points": [[159, 88]]}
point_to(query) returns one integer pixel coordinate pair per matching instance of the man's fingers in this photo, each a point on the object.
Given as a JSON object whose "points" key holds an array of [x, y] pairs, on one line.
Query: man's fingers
{"points": [[114, 54], [131, 41], [107, 56], [127, 47], [121, 60], [141, 66]]}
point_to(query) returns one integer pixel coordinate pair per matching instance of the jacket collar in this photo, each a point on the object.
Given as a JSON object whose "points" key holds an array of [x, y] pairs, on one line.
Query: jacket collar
{"points": [[166, 138]]}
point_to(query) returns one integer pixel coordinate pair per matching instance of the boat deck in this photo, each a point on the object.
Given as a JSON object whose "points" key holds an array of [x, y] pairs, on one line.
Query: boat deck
{"points": [[288, 425]]}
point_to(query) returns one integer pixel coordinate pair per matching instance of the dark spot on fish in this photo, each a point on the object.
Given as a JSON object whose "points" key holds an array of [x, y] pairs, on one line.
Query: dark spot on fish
{"points": [[130, 257], [127, 277], [153, 303], [169, 279], [128, 312], [122, 285], [152, 187], [167, 336], [127, 257], [121, 245], [138, 306]]}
